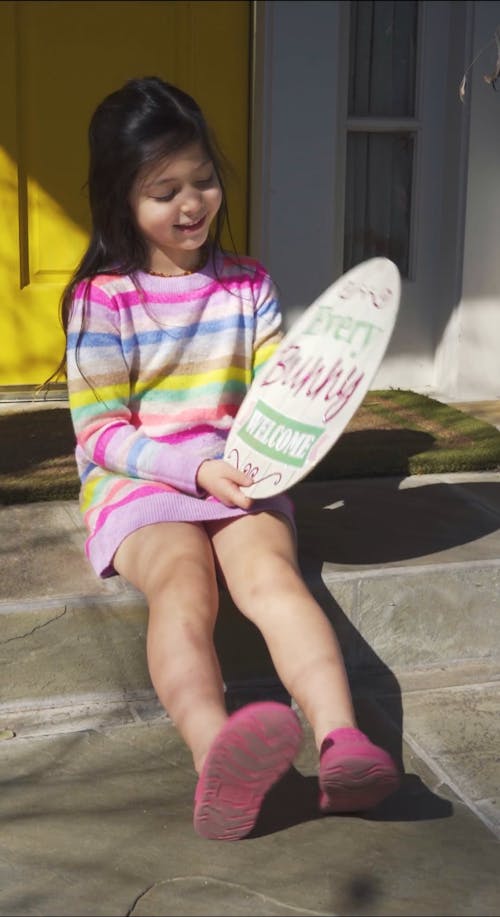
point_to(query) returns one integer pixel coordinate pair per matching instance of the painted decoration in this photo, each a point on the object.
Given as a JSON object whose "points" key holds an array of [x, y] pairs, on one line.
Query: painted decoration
{"points": [[305, 395]]}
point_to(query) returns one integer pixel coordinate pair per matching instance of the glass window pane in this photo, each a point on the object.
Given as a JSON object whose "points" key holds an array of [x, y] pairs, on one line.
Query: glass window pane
{"points": [[378, 198], [382, 53]]}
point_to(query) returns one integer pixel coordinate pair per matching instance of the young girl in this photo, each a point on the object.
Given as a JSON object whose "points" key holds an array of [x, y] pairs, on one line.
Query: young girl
{"points": [[165, 332]]}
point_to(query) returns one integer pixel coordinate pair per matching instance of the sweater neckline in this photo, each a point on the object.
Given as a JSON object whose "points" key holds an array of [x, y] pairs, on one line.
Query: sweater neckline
{"points": [[180, 281]]}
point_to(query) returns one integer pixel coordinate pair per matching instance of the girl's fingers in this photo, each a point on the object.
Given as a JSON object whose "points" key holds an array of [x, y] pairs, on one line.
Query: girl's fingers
{"points": [[238, 498]]}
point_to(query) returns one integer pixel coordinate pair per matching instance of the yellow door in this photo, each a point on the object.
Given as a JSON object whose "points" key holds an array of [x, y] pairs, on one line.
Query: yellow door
{"points": [[57, 61]]}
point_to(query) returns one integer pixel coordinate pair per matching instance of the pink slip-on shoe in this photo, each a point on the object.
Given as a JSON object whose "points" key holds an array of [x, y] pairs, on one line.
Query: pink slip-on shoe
{"points": [[255, 747], [354, 774]]}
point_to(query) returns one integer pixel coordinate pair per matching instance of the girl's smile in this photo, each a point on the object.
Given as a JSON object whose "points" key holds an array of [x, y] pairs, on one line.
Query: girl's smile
{"points": [[174, 203], [192, 227]]}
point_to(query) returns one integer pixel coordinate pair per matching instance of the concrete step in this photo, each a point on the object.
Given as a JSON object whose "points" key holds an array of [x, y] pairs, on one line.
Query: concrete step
{"points": [[407, 571]]}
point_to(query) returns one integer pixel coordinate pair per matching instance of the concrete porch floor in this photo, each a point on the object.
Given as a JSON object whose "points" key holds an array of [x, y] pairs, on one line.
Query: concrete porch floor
{"points": [[97, 788]]}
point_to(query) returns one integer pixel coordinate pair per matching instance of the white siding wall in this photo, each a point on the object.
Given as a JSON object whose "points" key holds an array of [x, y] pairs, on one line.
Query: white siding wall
{"points": [[293, 207], [471, 361]]}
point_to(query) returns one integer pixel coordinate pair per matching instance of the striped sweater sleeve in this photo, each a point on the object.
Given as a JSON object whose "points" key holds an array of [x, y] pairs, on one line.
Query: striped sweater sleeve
{"points": [[99, 395], [268, 321]]}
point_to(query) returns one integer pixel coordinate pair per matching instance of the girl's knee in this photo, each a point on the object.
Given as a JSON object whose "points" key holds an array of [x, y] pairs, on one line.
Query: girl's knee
{"points": [[186, 581], [270, 575]]}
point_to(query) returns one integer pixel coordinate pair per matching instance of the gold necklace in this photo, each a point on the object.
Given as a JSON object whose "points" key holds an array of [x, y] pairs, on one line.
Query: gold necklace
{"points": [[195, 270], [161, 274]]}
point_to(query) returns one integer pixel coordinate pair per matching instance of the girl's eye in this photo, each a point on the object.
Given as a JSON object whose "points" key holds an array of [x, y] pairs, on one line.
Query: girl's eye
{"points": [[201, 183], [166, 197], [205, 182]]}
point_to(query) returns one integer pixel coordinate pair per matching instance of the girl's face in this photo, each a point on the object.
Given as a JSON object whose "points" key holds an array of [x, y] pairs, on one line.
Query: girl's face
{"points": [[174, 203]]}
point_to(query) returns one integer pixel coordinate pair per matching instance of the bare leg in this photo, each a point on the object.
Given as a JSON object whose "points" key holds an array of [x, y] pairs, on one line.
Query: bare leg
{"points": [[258, 558], [257, 555], [238, 758], [173, 565]]}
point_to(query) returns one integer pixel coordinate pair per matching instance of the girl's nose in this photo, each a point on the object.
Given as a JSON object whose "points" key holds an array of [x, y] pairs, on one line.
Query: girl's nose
{"points": [[191, 200]]}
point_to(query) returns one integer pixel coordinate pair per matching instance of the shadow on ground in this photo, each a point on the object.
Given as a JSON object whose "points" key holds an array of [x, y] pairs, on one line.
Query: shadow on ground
{"points": [[250, 675], [362, 522]]}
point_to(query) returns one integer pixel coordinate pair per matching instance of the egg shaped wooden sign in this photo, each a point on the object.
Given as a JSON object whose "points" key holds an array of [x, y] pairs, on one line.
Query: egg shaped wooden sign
{"points": [[304, 396]]}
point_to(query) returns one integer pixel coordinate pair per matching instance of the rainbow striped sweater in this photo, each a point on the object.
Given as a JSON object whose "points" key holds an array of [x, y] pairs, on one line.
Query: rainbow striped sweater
{"points": [[157, 369]]}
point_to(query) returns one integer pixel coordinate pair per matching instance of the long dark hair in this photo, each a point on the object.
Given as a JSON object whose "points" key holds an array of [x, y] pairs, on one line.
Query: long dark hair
{"points": [[144, 121]]}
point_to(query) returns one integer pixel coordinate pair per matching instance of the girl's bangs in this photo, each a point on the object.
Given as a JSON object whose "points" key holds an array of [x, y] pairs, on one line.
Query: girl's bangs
{"points": [[171, 142]]}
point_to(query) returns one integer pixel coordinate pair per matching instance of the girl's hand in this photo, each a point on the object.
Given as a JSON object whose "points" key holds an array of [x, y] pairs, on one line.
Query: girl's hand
{"points": [[221, 480]]}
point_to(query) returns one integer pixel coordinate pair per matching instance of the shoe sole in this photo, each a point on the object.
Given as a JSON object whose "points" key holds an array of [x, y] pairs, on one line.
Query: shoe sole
{"points": [[354, 784], [253, 750]]}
